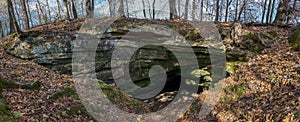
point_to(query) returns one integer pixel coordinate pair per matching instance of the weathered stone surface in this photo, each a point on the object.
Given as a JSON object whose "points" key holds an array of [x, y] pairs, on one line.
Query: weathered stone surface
{"points": [[55, 52]]}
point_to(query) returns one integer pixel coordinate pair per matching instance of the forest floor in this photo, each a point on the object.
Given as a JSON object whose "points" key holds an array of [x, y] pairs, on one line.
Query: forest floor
{"points": [[265, 88]]}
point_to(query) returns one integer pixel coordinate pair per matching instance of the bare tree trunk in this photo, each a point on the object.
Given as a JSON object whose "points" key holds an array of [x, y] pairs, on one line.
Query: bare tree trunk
{"points": [[272, 11], [173, 12], [186, 10], [25, 14], [241, 11], [194, 10], [74, 11], [49, 11], [268, 12], [1, 30], [127, 8], [179, 8], [121, 9], [39, 14], [82, 8], [111, 8], [264, 12], [67, 12], [88, 7], [14, 27], [282, 12], [153, 9], [59, 9], [42, 12], [217, 10], [236, 10], [201, 11], [144, 9], [29, 13], [228, 2], [18, 18]]}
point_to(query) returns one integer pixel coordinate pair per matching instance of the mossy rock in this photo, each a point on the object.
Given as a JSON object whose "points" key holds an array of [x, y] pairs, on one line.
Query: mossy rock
{"points": [[295, 40], [12, 85]]}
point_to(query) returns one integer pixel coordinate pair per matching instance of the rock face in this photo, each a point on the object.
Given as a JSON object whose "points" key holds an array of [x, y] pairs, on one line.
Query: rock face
{"points": [[55, 51]]}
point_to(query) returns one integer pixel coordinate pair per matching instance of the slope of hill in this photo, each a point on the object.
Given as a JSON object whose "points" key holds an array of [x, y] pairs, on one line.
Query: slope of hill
{"points": [[265, 88]]}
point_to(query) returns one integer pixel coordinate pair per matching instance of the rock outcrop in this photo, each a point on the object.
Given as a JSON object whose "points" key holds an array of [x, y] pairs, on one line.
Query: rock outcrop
{"points": [[55, 51]]}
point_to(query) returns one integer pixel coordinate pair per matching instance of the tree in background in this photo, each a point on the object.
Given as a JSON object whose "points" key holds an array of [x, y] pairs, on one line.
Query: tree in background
{"points": [[67, 15], [228, 3], [217, 10], [1, 30], [121, 9], [88, 7], [13, 24], [74, 11], [173, 12], [193, 10], [25, 14], [282, 12], [186, 9]]}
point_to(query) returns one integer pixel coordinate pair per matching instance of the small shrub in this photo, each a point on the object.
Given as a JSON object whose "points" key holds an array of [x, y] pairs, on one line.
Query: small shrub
{"points": [[273, 33]]}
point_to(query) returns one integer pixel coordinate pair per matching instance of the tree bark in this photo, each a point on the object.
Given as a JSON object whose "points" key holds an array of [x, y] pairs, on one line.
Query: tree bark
{"points": [[144, 9], [217, 10], [38, 12], [121, 9], [88, 7], [74, 11], [13, 24], [194, 10], [201, 11], [49, 11], [186, 9], [264, 11], [127, 8], [236, 10], [111, 8], [1, 30], [272, 11], [241, 11], [153, 9], [179, 7], [25, 14], [18, 18], [67, 12], [228, 2], [282, 12], [173, 12], [59, 9], [268, 12], [29, 13]]}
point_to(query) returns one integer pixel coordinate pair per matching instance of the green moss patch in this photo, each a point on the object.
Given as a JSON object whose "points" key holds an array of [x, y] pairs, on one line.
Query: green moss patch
{"points": [[251, 36], [295, 40], [234, 92], [5, 113], [273, 33], [122, 100], [67, 92], [11, 85]]}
